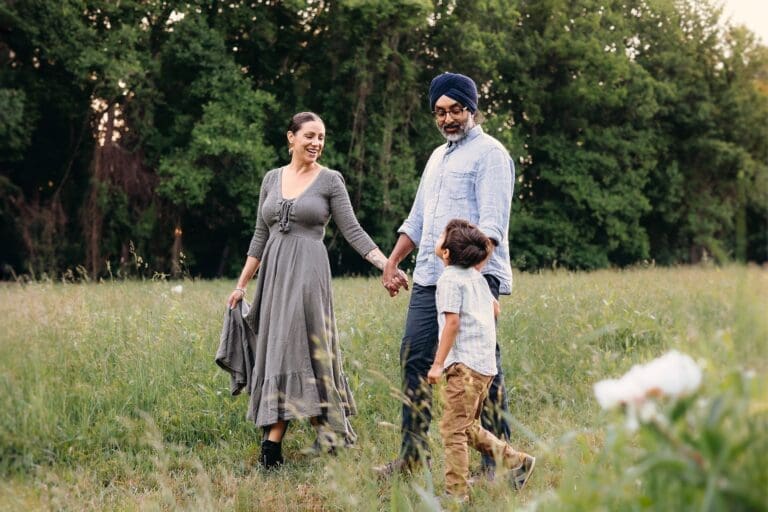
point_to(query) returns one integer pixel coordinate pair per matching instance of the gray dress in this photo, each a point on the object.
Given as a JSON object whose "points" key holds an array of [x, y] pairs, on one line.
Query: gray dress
{"points": [[297, 367]]}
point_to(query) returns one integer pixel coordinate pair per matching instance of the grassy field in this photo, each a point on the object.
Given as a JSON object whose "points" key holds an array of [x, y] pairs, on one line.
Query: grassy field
{"points": [[110, 399]]}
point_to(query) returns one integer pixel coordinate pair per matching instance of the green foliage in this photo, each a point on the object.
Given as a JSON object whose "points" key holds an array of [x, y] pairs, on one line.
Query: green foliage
{"points": [[594, 149], [700, 453], [227, 146], [15, 124], [638, 128], [709, 155], [110, 399]]}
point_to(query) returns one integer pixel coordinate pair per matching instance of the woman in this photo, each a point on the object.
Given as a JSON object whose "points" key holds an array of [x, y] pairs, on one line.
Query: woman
{"points": [[297, 368]]}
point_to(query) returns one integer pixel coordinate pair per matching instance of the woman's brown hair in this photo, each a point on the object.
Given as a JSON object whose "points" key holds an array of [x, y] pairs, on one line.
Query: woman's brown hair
{"points": [[302, 117]]}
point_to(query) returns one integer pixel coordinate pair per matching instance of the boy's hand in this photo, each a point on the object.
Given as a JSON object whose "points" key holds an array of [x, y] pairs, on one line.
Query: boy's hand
{"points": [[435, 373]]}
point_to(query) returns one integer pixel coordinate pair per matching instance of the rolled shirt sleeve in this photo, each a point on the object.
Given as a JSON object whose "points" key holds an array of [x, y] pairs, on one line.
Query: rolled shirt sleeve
{"points": [[493, 193], [413, 225]]}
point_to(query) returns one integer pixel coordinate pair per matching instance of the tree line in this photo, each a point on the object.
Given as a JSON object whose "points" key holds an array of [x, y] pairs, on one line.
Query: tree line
{"points": [[134, 134]]}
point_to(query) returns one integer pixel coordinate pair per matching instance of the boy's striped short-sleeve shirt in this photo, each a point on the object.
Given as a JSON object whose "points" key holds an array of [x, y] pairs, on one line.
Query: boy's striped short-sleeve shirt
{"points": [[465, 291]]}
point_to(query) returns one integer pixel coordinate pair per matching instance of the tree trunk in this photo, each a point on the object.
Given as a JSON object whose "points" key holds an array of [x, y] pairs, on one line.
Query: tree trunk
{"points": [[176, 269], [93, 216], [223, 261]]}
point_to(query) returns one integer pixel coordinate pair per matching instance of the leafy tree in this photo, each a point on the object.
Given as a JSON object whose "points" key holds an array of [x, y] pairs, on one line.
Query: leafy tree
{"points": [[585, 107], [638, 127], [372, 101], [712, 127]]}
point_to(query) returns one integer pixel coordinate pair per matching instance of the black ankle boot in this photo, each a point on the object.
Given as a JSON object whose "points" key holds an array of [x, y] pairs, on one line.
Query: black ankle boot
{"points": [[271, 454]]}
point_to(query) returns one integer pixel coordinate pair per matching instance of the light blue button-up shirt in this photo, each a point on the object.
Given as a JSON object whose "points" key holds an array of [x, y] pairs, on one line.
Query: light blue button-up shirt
{"points": [[471, 179]]}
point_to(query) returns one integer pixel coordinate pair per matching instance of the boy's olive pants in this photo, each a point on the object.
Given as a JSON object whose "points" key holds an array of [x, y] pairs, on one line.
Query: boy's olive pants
{"points": [[464, 393]]}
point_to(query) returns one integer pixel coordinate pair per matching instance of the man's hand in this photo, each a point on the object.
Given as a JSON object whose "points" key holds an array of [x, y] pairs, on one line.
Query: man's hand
{"points": [[435, 372], [393, 278]]}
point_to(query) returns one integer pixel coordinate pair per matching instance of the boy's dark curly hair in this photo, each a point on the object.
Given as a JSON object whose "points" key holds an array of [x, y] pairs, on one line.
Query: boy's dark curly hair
{"points": [[468, 245]]}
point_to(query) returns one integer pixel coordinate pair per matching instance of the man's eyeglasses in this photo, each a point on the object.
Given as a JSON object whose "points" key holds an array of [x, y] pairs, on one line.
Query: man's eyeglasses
{"points": [[455, 111]]}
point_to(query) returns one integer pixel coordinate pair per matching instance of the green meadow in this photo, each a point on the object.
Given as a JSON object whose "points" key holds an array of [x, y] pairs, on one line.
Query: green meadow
{"points": [[110, 398]]}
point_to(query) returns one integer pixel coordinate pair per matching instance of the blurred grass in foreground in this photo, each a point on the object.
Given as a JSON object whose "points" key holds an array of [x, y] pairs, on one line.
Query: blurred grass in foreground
{"points": [[110, 399]]}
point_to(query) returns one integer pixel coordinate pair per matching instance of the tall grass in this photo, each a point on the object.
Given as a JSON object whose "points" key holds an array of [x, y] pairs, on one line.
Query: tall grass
{"points": [[109, 397]]}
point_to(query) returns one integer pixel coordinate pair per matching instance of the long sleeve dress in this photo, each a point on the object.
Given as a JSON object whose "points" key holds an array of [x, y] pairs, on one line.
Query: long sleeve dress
{"points": [[297, 365]]}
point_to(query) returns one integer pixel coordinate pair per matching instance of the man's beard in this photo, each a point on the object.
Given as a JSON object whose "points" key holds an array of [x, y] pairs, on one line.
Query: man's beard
{"points": [[463, 129]]}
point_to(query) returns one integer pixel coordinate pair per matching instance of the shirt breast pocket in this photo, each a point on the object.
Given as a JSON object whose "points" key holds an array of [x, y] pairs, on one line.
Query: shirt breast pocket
{"points": [[460, 184]]}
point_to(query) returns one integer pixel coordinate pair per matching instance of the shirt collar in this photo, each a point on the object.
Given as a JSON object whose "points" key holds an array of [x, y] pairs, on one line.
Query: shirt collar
{"points": [[455, 269], [475, 132]]}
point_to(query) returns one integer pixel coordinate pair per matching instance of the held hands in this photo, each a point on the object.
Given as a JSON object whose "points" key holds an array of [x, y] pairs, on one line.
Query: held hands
{"points": [[393, 279], [435, 372], [401, 278]]}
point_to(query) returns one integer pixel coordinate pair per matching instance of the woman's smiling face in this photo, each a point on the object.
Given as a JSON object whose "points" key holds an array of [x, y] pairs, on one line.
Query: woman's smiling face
{"points": [[308, 141]]}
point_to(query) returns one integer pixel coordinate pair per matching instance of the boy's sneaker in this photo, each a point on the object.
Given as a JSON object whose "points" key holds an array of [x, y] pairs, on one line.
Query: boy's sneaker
{"points": [[519, 476]]}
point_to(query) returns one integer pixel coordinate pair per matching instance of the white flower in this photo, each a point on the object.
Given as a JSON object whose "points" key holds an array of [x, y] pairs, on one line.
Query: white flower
{"points": [[672, 375], [177, 289], [632, 423], [613, 392], [649, 412]]}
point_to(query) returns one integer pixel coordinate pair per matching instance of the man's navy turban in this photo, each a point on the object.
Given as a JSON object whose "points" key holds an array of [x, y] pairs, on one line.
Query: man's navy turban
{"points": [[459, 87]]}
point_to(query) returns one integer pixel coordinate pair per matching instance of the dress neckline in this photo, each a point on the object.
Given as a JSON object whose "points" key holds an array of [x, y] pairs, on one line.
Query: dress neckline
{"points": [[311, 183]]}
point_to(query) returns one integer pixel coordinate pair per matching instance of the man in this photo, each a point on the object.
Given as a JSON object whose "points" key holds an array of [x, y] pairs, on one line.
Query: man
{"points": [[470, 177]]}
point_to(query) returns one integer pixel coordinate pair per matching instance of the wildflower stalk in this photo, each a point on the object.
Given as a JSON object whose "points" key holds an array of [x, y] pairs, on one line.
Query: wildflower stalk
{"points": [[661, 428]]}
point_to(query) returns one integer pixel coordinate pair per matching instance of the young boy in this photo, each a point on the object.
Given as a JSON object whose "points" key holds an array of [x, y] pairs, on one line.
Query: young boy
{"points": [[466, 352]]}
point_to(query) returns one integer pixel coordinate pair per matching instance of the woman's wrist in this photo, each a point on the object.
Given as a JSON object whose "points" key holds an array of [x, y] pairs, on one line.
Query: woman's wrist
{"points": [[376, 258], [241, 290]]}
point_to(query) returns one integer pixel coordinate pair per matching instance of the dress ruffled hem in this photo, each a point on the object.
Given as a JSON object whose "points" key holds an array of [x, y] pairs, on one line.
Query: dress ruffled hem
{"points": [[295, 396], [283, 397]]}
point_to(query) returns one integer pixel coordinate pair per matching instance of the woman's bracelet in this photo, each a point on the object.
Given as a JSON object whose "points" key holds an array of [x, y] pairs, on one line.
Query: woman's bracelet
{"points": [[242, 290]]}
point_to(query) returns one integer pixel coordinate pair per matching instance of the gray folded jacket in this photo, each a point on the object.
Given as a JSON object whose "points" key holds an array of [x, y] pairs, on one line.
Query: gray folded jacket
{"points": [[235, 354]]}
